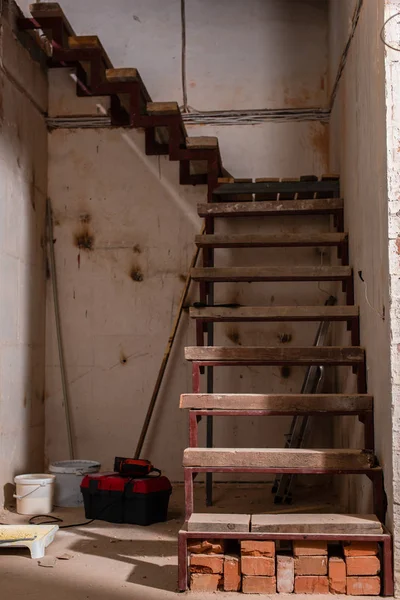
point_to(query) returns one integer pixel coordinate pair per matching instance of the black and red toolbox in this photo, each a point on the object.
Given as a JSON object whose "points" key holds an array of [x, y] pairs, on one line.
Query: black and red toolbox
{"points": [[117, 499]]}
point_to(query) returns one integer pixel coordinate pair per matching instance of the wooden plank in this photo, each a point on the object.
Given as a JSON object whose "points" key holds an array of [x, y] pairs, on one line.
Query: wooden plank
{"points": [[163, 108], [275, 313], [278, 355], [225, 180], [79, 42], [218, 523], [201, 142], [259, 209], [290, 403], [316, 523], [279, 458], [249, 274], [280, 187], [122, 74], [270, 241]]}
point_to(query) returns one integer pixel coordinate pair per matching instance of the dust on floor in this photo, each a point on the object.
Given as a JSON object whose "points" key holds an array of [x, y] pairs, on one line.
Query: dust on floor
{"points": [[117, 562]]}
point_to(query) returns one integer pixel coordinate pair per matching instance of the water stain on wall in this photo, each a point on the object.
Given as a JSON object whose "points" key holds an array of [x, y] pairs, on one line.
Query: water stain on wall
{"points": [[136, 273]]}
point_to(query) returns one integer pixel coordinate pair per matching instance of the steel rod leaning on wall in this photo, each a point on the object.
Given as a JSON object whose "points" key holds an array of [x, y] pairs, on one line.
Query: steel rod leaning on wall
{"points": [[53, 276]]}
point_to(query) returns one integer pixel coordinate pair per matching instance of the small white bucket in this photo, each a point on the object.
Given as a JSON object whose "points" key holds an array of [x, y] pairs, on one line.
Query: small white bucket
{"points": [[69, 474], [34, 494]]}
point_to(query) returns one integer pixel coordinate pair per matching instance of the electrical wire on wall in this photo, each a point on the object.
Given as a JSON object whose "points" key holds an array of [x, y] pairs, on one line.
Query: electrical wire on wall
{"points": [[345, 53], [382, 34], [184, 107]]}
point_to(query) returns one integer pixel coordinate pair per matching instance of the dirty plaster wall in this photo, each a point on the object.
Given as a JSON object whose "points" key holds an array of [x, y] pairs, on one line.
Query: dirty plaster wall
{"points": [[392, 74], [240, 54], [23, 182], [119, 295], [358, 153]]}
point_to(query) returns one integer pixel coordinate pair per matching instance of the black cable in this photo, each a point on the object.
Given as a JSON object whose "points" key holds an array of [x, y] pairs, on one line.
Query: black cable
{"points": [[52, 519]]}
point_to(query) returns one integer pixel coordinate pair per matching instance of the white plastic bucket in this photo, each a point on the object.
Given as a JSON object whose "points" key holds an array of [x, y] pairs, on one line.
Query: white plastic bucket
{"points": [[34, 494], [69, 474]]}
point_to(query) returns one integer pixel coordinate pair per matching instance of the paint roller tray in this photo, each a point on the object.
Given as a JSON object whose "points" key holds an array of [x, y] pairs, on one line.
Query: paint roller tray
{"points": [[34, 537]]}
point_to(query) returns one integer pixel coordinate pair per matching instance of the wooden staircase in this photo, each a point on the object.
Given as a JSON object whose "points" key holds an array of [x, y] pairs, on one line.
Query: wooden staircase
{"points": [[280, 461], [227, 198]]}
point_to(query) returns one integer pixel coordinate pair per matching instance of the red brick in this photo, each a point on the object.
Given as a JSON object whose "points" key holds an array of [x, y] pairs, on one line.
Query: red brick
{"points": [[232, 574], [311, 565], [360, 548], [205, 583], [363, 586], [362, 565], [257, 548], [206, 563], [258, 585], [310, 548], [258, 565], [337, 575], [284, 574], [206, 546], [311, 584]]}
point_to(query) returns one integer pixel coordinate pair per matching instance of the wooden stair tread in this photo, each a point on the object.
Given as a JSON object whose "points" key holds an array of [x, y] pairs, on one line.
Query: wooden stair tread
{"points": [[163, 108], [272, 207], [276, 355], [217, 522], [316, 523], [122, 74], [285, 403], [277, 458], [275, 313], [77, 42], [271, 240], [201, 142], [284, 273], [284, 186]]}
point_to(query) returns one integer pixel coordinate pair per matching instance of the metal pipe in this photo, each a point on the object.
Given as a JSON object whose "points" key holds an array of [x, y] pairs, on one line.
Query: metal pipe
{"points": [[53, 275]]}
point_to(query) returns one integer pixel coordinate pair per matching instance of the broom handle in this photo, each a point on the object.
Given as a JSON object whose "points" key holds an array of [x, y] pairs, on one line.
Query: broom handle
{"points": [[166, 356]]}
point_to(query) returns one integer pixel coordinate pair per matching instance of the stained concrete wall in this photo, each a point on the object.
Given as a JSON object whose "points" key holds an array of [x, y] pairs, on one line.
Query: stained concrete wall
{"points": [[392, 74], [23, 183], [358, 153], [240, 54], [143, 223]]}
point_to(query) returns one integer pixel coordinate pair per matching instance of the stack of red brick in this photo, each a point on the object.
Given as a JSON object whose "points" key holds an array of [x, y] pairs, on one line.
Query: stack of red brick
{"points": [[310, 567]]}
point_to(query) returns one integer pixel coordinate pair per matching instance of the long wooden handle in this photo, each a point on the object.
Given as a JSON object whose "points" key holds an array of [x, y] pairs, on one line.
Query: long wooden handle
{"points": [[166, 356]]}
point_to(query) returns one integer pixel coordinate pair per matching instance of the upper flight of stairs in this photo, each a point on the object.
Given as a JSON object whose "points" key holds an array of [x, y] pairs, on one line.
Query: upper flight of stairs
{"points": [[227, 198]]}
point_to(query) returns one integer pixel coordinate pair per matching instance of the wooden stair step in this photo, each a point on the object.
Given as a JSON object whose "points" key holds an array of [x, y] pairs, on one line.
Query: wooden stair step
{"points": [[50, 10], [271, 208], [201, 142], [249, 274], [270, 241], [279, 458], [282, 187], [281, 403], [316, 523], [127, 75], [274, 313], [85, 42], [277, 355], [163, 108], [122, 74], [219, 523]]}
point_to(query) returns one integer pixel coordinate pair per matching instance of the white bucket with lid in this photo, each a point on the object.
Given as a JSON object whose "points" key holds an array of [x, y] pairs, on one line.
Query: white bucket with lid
{"points": [[69, 474], [34, 493]]}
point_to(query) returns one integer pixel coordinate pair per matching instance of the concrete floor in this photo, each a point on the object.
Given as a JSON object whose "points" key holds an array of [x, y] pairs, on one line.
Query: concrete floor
{"points": [[117, 562]]}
